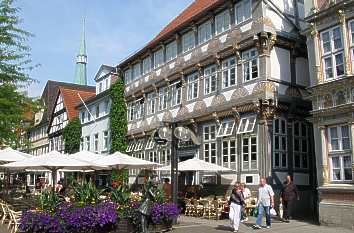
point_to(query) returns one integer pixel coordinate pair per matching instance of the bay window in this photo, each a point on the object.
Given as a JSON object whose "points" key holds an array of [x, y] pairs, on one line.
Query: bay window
{"points": [[222, 22], [332, 53], [158, 58], [301, 145], [210, 79], [210, 151], [188, 41], [171, 51], [250, 64], [176, 93], [151, 105], [228, 72], [163, 98], [280, 145], [243, 11], [249, 153], [204, 32], [341, 168], [339, 138], [229, 153], [192, 86], [147, 65]]}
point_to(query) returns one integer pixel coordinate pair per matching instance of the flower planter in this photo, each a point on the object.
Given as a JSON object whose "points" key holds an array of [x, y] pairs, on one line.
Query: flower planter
{"points": [[124, 226]]}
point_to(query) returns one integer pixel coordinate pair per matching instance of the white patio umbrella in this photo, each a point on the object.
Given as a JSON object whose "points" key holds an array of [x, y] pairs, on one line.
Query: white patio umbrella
{"points": [[119, 160], [85, 155], [10, 155], [52, 161], [195, 164]]}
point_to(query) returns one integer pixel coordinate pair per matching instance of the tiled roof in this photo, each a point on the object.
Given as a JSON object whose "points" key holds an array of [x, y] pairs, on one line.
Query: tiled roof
{"points": [[71, 99], [192, 12]]}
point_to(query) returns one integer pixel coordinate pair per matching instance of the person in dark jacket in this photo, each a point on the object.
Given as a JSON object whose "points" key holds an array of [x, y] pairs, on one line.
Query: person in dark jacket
{"points": [[289, 194], [236, 202]]}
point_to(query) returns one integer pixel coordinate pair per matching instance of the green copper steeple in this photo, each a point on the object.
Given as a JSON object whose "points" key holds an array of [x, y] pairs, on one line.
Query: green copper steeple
{"points": [[81, 61]]}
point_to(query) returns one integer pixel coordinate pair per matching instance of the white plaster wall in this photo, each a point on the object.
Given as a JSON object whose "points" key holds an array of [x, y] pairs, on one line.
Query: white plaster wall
{"points": [[302, 71], [90, 129], [286, 6], [279, 23], [280, 64]]}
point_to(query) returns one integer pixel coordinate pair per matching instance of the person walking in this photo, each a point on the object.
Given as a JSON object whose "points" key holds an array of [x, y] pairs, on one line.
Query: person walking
{"points": [[265, 203], [167, 188], [247, 196], [288, 195], [235, 203]]}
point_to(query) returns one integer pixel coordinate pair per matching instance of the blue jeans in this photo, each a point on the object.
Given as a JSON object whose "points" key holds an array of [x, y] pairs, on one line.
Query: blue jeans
{"points": [[261, 209]]}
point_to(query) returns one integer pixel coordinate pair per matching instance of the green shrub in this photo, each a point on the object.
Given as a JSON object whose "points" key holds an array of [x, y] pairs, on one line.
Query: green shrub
{"points": [[86, 193], [48, 200]]}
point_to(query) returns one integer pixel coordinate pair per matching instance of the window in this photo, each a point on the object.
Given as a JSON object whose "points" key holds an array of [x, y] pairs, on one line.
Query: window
{"points": [[153, 157], [301, 145], [228, 153], [100, 87], [243, 11], [158, 58], [83, 117], [139, 109], [105, 140], [341, 168], [139, 145], [81, 143], [88, 143], [280, 145], [339, 138], [150, 144], [165, 157], [210, 78], [250, 65], [209, 136], [136, 72], [97, 111], [188, 41], [333, 55], [106, 107], [351, 33], [89, 114], [151, 98], [147, 65], [192, 86], [128, 76], [131, 111], [171, 51], [96, 143], [176, 93], [163, 98], [131, 146], [222, 22], [226, 128], [246, 125], [60, 104], [229, 72], [204, 32], [249, 153]]}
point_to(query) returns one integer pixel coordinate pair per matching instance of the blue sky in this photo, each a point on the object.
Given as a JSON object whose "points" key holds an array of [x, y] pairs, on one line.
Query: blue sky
{"points": [[114, 30]]}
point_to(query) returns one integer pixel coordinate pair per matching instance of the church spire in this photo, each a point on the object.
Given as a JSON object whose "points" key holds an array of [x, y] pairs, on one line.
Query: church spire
{"points": [[81, 60]]}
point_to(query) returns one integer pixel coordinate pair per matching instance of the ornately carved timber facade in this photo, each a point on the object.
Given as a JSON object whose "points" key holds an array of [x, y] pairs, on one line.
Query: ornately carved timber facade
{"points": [[236, 74]]}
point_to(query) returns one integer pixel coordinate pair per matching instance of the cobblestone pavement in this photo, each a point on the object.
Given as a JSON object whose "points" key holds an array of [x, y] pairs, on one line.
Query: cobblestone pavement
{"points": [[196, 225]]}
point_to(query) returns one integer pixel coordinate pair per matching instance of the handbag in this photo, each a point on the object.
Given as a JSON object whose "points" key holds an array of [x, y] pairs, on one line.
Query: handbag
{"points": [[273, 212]]}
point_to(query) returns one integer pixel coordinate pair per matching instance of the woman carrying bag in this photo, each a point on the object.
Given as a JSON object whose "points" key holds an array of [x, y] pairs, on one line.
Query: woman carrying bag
{"points": [[236, 202]]}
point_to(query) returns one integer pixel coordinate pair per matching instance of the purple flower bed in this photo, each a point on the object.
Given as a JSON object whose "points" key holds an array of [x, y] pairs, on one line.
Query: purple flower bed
{"points": [[164, 212], [69, 218]]}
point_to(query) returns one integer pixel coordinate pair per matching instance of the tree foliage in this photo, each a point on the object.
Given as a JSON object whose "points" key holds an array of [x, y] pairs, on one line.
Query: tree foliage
{"points": [[15, 62], [72, 136], [118, 117]]}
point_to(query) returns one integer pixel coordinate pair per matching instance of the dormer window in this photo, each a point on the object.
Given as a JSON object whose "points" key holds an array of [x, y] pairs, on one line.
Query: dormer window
{"points": [[100, 87]]}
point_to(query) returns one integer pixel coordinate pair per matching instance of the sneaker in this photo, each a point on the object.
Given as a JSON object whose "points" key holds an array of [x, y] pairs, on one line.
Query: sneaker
{"points": [[242, 220], [268, 227], [246, 219], [256, 227], [235, 231]]}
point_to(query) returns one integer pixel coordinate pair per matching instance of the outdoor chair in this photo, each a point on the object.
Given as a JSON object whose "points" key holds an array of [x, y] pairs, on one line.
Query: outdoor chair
{"points": [[189, 207], [15, 218], [5, 212]]}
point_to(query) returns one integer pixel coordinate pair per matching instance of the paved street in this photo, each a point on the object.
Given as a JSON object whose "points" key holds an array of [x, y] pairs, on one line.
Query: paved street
{"points": [[196, 225]]}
